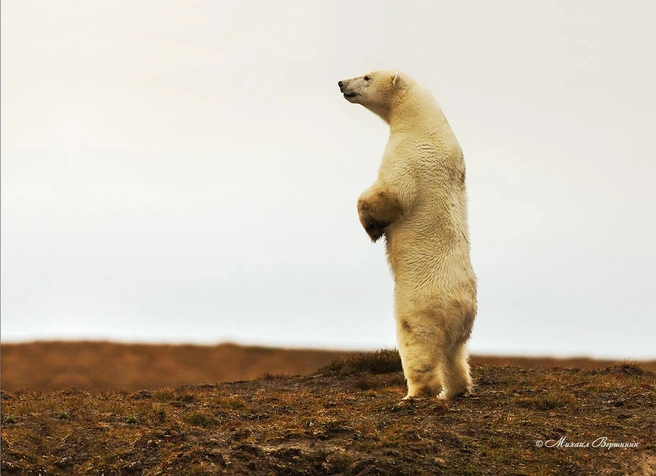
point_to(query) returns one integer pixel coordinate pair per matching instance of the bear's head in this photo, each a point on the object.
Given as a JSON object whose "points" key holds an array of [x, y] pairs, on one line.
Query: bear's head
{"points": [[376, 91]]}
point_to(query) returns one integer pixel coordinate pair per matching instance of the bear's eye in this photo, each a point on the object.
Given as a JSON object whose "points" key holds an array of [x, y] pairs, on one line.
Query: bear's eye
{"points": [[367, 78]]}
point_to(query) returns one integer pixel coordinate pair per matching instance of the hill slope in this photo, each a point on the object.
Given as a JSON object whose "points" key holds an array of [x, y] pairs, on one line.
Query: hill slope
{"points": [[108, 366], [345, 419]]}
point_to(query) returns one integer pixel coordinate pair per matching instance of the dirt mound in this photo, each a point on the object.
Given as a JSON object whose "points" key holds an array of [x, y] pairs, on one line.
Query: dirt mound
{"points": [[346, 419]]}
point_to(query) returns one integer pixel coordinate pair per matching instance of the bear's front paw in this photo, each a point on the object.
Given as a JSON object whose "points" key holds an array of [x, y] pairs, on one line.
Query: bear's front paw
{"points": [[377, 211], [374, 232], [374, 228]]}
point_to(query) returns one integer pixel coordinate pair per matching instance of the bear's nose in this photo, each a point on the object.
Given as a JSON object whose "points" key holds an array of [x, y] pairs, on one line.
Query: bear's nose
{"points": [[340, 84]]}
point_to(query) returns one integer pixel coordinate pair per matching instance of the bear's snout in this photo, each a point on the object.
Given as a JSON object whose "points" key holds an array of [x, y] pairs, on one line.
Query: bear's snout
{"points": [[345, 90]]}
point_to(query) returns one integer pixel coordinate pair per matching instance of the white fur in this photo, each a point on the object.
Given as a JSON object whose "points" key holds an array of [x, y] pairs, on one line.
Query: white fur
{"points": [[419, 204]]}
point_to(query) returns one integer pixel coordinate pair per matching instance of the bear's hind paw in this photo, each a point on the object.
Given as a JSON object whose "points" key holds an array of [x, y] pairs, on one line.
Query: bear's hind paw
{"points": [[449, 396]]}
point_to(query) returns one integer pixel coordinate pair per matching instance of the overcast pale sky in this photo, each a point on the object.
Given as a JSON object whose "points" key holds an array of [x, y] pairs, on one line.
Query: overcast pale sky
{"points": [[188, 171]]}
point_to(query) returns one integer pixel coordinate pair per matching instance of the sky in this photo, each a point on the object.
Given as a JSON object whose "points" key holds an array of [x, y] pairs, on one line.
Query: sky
{"points": [[188, 171]]}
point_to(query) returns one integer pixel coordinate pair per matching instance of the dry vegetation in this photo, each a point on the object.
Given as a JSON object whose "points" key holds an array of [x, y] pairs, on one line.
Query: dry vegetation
{"points": [[107, 366], [343, 419]]}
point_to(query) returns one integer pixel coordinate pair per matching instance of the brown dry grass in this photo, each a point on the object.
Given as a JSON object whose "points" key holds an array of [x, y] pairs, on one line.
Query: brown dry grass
{"points": [[344, 419], [106, 366]]}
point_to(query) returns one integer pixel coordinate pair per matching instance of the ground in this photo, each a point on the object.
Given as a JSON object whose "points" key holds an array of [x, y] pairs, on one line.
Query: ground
{"points": [[108, 366], [344, 419]]}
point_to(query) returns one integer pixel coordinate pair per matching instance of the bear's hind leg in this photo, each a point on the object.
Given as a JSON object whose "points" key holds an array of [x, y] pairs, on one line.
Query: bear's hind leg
{"points": [[419, 356], [454, 372]]}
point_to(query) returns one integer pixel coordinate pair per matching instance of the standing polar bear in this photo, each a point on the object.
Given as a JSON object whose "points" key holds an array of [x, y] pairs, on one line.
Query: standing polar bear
{"points": [[419, 203]]}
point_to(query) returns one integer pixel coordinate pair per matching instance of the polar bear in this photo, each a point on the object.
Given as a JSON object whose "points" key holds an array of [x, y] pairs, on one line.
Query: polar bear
{"points": [[418, 203]]}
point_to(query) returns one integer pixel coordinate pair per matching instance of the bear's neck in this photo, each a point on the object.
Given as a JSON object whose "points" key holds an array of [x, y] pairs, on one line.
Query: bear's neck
{"points": [[412, 112], [415, 119]]}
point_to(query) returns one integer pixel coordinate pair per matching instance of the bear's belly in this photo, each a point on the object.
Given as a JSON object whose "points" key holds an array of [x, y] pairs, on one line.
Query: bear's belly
{"points": [[435, 257]]}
